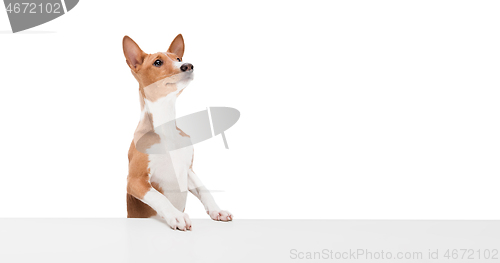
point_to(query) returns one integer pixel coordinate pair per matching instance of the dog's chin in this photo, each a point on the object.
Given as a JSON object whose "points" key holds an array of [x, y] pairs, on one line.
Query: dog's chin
{"points": [[188, 76], [184, 77], [185, 80]]}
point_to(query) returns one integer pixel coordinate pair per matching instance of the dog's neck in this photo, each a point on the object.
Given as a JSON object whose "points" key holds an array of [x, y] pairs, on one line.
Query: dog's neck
{"points": [[159, 102], [162, 113]]}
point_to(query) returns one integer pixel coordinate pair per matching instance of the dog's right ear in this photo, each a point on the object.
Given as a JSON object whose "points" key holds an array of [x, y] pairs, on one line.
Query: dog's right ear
{"points": [[133, 53]]}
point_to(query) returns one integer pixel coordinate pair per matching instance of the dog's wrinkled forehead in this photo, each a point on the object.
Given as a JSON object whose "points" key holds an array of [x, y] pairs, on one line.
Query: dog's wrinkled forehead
{"points": [[172, 56]]}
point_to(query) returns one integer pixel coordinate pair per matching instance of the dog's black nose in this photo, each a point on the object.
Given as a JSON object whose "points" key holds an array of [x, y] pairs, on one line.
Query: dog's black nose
{"points": [[187, 67]]}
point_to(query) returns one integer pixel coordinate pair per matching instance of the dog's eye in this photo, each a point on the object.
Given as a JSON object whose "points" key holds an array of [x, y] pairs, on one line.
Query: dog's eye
{"points": [[158, 63], [178, 59]]}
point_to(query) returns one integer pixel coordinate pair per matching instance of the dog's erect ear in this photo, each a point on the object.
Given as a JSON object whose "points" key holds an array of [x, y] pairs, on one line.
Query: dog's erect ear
{"points": [[177, 46], [133, 53]]}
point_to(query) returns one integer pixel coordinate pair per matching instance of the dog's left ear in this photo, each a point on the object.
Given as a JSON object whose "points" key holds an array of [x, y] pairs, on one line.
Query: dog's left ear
{"points": [[177, 46], [133, 53]]}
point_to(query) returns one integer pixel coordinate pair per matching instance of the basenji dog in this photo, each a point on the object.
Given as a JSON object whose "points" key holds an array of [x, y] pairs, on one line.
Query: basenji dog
{"points": [[153, 187]]}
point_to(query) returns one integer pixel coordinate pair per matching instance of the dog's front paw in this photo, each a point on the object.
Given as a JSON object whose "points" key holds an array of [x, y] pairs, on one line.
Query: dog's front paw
{"points": [[179, 221], [220, 215]]}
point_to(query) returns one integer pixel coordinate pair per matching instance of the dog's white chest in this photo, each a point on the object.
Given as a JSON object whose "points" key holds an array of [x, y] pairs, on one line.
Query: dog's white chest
{"points": [[171, 171]]}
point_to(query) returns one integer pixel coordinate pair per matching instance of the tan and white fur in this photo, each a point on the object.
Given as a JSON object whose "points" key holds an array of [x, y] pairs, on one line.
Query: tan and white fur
{"points": [[153, 189]]}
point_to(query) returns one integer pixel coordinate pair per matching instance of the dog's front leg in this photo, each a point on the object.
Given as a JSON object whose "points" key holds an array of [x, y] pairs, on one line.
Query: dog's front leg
{"points": [[141, 189], [210, 206]]}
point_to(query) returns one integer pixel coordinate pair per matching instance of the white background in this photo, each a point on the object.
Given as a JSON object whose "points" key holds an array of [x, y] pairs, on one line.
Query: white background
{"points": [[352, 109]]}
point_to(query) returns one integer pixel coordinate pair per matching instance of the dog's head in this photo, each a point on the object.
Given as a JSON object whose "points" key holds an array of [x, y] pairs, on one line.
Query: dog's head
{"points": [[162, 72]]}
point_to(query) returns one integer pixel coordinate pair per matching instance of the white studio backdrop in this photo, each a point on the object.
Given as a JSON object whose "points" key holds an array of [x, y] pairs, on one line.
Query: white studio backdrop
{"points": [[349, 109]]}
